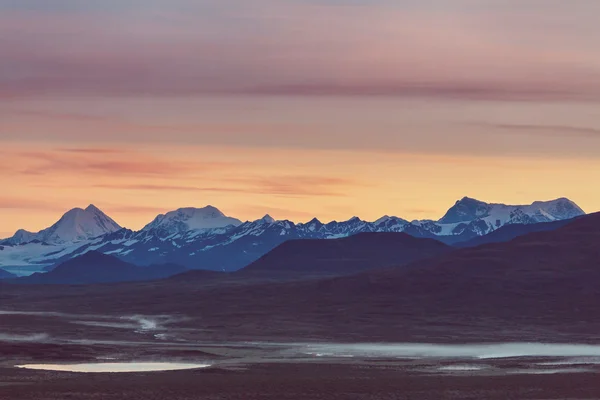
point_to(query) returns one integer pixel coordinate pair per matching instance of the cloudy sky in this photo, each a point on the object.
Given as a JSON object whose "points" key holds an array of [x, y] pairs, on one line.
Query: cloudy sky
{"points": [[298, 108]]}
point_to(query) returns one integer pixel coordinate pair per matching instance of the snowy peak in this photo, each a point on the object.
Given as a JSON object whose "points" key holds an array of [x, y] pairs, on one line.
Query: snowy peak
{"points": [[314, 222], [314, 225], [387, 220], [103, 221], [383, 219], [20, 237], [78, 225], [93, 209], [268, 219], [466, 210], [558, 209], [190, 219], [75, 225]]}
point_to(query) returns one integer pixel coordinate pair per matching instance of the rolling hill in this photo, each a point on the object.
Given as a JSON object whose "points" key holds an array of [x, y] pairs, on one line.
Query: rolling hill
{"points": [[512, 231], [6, 275], [346, 255], [94, 267]]}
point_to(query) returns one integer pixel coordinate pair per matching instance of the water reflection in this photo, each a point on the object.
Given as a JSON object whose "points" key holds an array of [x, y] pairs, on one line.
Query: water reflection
{"points": [[115, 367], [473, 351]]}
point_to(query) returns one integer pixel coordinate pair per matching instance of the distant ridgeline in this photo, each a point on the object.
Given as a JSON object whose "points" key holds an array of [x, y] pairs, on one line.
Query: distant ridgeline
{"points": [[205, 238]]}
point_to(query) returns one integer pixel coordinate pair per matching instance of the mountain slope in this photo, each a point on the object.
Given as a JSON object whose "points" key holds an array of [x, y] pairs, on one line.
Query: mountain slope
{"points": [[551, 274], [94, 267], [510, 232], [6, 275], [346, 255]]}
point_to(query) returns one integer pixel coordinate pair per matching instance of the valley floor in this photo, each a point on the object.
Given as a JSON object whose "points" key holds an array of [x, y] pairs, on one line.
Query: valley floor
{"points": [[291, 340], [293, 381], [275, 369]]}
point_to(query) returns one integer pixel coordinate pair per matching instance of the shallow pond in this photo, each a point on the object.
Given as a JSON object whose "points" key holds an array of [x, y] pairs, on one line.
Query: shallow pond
{"points": [[115, 367]]}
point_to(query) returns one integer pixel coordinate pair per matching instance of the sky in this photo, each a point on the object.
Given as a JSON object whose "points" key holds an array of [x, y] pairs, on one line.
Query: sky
{"points": [[296, 108]]}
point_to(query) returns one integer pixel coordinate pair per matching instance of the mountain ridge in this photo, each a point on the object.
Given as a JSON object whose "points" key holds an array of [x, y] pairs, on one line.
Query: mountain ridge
{"points": [[205, 238]]}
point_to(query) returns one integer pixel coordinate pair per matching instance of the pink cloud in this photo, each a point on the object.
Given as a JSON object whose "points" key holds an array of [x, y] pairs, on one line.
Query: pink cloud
{"points": [[24, 203], [297, 48], [102, 162]]}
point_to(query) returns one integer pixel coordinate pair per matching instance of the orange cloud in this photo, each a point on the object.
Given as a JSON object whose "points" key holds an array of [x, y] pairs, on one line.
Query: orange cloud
{"points": [[543, 129], [25, 203], [258, 211], [89, 150], [104, 162], [292, 186], [133, 209], [298, 186]]}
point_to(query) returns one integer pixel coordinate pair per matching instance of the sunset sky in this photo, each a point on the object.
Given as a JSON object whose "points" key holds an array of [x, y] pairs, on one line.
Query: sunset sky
{"points": [[297, 108]]}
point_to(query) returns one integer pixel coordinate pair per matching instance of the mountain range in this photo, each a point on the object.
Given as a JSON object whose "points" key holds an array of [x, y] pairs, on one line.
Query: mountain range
{"points": [[294, 259], [205, 238], [538, 287]]}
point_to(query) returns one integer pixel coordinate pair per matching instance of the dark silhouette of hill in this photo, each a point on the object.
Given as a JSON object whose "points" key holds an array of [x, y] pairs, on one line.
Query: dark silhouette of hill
{"points": [[512, 231], [6, 275], [199, 275], [95, 267], [345, 255], [551, 275]]}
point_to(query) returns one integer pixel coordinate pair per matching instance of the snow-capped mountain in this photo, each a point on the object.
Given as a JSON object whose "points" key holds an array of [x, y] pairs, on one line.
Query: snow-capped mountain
{"points": [[28, 251], [189, 219], [468, 210], [268, 218], [21, 236], [480, 218], [75, 226], [229, 248], [386, 218], [205, 238]]}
